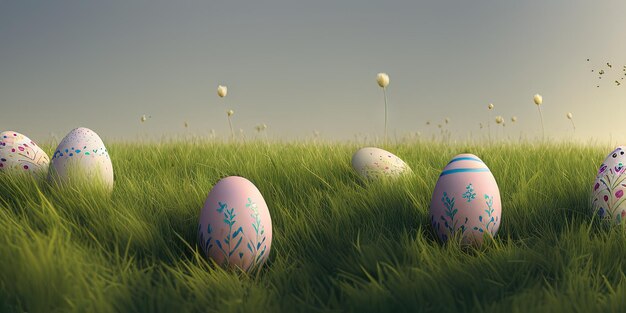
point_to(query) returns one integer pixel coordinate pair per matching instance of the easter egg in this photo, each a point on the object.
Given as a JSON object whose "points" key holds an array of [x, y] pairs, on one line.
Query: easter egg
{"points": [[466, 201], [607, 196], [235, 228], [82, 158], [19, 154], [373, 163]]}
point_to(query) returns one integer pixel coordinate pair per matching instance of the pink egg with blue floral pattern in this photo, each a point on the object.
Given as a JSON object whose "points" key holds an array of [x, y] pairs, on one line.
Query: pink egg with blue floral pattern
{"points": [[82, 158], [19, 154], [466, 201], [235, 228], [609, 187]]}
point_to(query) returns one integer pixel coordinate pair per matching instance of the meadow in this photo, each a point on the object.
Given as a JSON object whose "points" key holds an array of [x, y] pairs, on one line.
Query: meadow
{"points": [[340, 243]]}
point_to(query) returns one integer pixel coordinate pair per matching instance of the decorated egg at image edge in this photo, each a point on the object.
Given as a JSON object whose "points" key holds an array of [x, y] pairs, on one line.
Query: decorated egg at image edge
{"points": [[466, 199], [373, 162], [235, 226], [82, 154], [607, 196], [20, 154]]}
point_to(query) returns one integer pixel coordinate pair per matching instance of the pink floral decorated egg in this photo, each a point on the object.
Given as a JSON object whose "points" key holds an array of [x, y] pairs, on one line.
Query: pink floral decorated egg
{"points": [[466, 201], [373, 163], [235, 226], [607, 196], [82, 157], [19, 154]]}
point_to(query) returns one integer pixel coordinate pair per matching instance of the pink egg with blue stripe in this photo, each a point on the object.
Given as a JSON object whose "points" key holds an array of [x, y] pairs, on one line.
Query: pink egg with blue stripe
{"points": [[466, 201]]}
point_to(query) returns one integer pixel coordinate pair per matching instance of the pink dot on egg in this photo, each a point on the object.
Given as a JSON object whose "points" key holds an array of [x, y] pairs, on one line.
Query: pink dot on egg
{"points": [[25, 167], [596, 186], [12, 150], [21, 148], [606, 198], [619, 193]]}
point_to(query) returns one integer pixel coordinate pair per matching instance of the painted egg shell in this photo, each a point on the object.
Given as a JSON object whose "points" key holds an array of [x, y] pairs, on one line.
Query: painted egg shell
{"points": [[235, 226], [466, 201], [20, 154], [607, 196], [373, 162], [82, 156]]}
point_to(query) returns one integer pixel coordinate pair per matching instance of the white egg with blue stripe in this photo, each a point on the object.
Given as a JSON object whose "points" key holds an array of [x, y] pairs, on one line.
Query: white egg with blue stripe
{"points": [[466, 201]]}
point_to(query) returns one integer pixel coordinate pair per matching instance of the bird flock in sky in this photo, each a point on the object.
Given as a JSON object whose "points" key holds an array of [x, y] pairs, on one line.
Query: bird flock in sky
{"points": [[607, 73]]}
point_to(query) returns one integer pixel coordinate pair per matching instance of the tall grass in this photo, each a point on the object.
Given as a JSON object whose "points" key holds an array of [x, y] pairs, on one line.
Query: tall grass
{"points": [[340, 243]]}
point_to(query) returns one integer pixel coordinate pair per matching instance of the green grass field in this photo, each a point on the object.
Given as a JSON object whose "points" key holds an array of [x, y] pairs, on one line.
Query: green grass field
{"points": [[340, 243]]}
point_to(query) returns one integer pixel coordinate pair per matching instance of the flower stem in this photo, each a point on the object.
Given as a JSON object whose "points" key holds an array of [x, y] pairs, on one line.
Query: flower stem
{"points": [[232, 133], [385, 95], [543, 131], [574, 126], [489, 126]]}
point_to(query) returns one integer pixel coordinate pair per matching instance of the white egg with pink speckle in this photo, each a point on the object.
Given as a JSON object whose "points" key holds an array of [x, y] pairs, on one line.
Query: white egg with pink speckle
{"points": [[466, 201], [19, 154], [82, 157], [608, 196], [235, 228], [373, 163]]}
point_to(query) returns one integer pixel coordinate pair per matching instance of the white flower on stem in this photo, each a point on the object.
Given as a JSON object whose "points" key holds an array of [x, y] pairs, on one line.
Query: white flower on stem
{"points": [[571, 118], [230, 124], [383, 81], [490, 107], [514, 119], [499, 119]]}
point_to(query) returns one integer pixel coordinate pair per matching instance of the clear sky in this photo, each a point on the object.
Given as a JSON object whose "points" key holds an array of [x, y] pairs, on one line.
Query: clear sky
{"points": [[300, 66]]}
